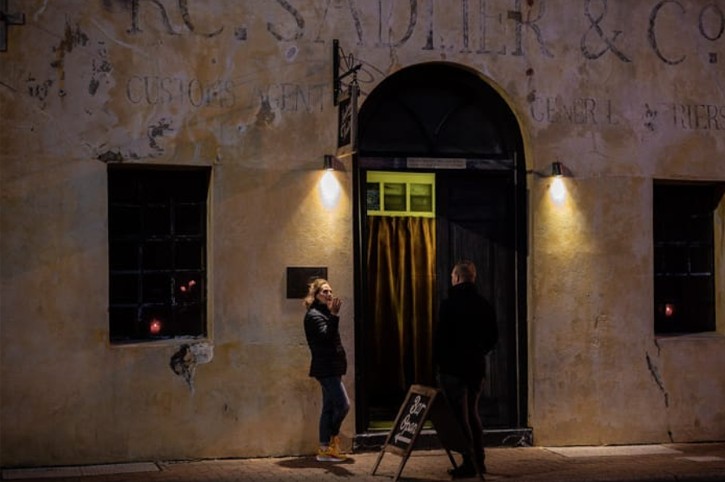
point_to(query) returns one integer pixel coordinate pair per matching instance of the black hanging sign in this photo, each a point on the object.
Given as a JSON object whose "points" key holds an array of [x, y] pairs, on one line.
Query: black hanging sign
{"points": [[347, 123], [420, 404]]}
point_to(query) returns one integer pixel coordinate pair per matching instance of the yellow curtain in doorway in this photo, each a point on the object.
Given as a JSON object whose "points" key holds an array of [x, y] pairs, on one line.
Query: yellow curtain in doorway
{"points": [[401, 284]]}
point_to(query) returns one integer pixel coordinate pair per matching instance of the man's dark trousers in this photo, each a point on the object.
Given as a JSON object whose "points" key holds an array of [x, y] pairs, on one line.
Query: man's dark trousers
{"points": [[462, 396]]}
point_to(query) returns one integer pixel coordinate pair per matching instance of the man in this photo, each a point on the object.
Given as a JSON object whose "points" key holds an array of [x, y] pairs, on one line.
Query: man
{"points": [[466, 332]]}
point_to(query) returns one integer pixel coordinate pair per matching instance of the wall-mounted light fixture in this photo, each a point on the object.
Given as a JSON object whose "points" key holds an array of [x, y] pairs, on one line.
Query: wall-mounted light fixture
{"points": [[328, 162], [331, 162], [558, 187], [557, 170]]}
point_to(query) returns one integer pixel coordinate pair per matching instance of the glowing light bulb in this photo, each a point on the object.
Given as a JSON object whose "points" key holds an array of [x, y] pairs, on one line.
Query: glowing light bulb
{"points": [[558, 190], [329, 189]]}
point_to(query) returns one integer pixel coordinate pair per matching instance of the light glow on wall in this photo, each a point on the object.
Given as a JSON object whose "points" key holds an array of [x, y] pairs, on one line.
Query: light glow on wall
{"points": [[565, 224], [330, 189]]}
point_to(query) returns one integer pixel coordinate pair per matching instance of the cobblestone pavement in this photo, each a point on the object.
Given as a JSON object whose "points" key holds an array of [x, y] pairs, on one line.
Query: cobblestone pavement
{"points": [[652, 463]]}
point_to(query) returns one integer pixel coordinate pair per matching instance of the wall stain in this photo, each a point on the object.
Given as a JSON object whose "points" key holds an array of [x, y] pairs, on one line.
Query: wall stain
{"points": [[38, 90], [183, 363], [99, 68], [265, 115], [72, 38], [158, 130], [110, 157]]}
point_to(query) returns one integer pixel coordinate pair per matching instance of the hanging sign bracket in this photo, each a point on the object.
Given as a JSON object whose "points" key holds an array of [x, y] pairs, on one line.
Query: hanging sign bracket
{"points": [[350, 67]]}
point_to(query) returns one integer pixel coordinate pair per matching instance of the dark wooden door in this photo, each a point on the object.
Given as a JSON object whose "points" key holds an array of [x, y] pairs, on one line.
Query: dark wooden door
{"points": [[476, 221]]}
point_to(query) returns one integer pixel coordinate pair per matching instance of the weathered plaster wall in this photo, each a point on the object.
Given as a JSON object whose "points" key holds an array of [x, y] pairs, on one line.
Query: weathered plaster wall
{"points": [[598, 373], [619, 93], [637, 113]]}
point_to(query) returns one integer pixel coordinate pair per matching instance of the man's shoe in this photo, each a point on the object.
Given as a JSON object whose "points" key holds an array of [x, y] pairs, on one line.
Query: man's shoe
{"points": [[329, 455], [463, 471]]}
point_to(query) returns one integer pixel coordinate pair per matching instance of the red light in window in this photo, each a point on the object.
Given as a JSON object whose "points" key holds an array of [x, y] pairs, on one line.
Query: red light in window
{"points": [[187, 287], [669, 309], [155, 327]]}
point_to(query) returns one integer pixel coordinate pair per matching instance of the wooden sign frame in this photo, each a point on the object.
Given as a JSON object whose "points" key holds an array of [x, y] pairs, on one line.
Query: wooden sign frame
{"points": [[420, 405], [412, 406]]}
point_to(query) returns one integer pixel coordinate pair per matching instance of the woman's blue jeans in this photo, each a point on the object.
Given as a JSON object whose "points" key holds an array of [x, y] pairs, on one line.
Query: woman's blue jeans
{"points": [[335, 405]]}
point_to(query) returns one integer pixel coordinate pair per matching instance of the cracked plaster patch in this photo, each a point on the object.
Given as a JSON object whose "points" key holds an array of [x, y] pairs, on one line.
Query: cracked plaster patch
{"points": [[186, 359]]}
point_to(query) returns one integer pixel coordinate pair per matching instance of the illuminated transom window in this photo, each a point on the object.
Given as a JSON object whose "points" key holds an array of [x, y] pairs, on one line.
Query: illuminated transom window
{"points": [[157, 252], [685, 256]]}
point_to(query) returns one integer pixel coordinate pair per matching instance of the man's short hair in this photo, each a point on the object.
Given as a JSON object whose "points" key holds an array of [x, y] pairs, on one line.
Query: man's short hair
{"points": [[466, 270]]}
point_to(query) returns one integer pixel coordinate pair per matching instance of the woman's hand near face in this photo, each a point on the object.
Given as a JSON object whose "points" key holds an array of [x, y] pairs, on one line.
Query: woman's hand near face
{"points": [[335, 305]]}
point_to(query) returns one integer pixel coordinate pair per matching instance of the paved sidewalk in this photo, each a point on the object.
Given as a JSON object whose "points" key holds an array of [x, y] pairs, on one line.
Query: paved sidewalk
{"points": [[652, 463]]}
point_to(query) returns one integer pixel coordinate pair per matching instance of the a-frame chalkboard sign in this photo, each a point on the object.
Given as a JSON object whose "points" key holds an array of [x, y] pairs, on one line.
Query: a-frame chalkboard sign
{"points": [[421, 404]]}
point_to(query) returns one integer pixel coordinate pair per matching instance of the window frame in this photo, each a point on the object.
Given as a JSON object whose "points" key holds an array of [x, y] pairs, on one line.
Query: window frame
{"points": [[157, 252], [381, 184], [686, 260]]}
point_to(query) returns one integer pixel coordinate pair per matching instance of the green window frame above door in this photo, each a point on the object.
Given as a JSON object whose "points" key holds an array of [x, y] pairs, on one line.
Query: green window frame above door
{"points": [[400, 194]]}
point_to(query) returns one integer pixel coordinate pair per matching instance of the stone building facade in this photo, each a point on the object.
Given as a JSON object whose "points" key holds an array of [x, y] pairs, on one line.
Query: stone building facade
{"points": [[162, 178]]}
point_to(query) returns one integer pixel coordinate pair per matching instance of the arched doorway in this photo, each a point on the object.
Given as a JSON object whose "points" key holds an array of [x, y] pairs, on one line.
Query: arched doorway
{"points": [[439, 176]]}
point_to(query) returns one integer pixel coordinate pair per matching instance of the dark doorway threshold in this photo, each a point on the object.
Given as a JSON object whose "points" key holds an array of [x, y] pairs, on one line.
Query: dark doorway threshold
{"points": [[428, 439]]}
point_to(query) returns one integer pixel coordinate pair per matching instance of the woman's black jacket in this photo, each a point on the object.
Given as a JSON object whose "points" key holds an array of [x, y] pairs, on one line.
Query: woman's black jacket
{"points": [[323, 338]]}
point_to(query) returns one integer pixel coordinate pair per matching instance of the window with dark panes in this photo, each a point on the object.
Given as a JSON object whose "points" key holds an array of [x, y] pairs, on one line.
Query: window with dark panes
{"points": [[684, 256], [157, 252]]}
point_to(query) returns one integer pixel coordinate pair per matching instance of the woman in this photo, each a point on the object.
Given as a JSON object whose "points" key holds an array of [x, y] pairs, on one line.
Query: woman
{"points": [[328, 365]]}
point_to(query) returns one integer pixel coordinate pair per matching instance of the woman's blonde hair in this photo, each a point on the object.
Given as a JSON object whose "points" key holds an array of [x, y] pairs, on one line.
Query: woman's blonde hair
{"points": [[312, 290]]}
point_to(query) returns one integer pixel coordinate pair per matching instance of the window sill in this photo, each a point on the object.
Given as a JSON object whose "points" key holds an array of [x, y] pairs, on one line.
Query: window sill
{"points": [[176, 341]]}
